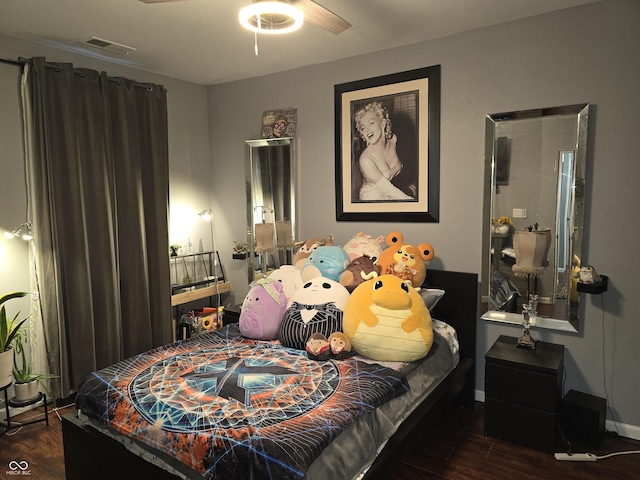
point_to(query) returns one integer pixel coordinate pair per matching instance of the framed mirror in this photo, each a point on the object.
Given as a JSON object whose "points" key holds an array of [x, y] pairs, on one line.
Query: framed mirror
{"points": [[533, 214], [270, 176]]}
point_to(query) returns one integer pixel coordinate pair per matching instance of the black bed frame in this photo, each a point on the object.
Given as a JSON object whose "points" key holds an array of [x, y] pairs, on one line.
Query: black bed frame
{"points": [[88, 453]]}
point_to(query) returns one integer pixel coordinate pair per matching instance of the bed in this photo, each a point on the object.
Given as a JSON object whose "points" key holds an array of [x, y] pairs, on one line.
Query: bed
{"points": [[330, 430]]}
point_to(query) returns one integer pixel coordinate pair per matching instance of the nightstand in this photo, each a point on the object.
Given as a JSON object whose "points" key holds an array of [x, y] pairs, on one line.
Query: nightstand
{"points": [[523, 393]]}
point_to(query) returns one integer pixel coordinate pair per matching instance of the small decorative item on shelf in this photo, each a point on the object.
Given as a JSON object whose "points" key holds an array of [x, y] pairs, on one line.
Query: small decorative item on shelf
{"points": [[502, 225], [239, 250], [529, 319], [590, 282], [173, 250], [200, 321]]}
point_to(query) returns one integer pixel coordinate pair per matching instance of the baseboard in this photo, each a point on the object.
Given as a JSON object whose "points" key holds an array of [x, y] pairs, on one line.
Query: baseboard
{"points": [[623, 429]]}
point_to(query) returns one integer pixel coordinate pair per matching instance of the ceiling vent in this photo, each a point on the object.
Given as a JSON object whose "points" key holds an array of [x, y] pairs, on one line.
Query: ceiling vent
{"points": [[109, 46]]}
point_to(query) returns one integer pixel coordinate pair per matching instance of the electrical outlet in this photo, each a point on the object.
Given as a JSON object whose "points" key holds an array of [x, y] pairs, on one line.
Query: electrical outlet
{"points": [[519, 213]]}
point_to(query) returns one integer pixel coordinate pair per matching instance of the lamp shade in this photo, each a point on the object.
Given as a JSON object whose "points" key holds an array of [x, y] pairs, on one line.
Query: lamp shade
{"points": [[271, 17], [531, 249]]}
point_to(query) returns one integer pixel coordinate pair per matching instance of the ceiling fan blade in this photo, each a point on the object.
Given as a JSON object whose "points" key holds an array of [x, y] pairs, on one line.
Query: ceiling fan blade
{"points": [[321, 17]]}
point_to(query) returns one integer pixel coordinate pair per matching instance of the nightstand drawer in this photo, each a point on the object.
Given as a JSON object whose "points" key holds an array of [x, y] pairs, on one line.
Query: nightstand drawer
{"points": [[522, 425], [529, 389]]}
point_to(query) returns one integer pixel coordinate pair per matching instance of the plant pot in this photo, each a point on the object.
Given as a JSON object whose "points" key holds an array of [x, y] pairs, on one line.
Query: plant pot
{"points": [[6, 367], [25, 391]]}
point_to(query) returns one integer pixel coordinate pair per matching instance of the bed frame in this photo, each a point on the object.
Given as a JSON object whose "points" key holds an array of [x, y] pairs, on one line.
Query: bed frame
{"points": [[87, 451]]}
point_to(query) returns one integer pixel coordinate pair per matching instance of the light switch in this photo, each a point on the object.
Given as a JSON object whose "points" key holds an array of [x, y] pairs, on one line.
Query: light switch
{"points": [[519, 213]]}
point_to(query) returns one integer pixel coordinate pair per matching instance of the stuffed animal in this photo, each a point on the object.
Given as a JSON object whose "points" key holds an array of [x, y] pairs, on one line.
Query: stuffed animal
{"points": [[316, 307], [386, 320], [340, 346], [363, 244], [318, 347], [404, 260], [263, 310], [328, 261], [358, 270], [291, 279], [307, 247], [588, 274]]}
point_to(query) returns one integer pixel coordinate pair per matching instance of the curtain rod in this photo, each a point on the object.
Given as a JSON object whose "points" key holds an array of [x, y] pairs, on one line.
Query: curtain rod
{"points": [[22, 61], [17, 63]]}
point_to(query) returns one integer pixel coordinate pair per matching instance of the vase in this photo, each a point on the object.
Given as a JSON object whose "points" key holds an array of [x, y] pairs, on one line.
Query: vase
{"points": [[25, 391], [502, 229], [6, 367]]}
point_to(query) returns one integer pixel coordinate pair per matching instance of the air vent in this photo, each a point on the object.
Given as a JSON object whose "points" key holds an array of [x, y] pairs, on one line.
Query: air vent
{"points": [[109, 46]]}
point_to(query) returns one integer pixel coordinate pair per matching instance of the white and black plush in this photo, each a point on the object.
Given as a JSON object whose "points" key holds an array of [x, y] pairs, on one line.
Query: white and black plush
{"points": [[316, 307]]}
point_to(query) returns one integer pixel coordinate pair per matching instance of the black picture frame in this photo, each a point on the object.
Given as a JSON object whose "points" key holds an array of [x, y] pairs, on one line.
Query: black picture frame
{"points": [[412, 101]]}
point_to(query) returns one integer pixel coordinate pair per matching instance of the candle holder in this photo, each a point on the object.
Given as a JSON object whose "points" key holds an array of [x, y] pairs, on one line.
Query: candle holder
{"points": [[529, 319]]}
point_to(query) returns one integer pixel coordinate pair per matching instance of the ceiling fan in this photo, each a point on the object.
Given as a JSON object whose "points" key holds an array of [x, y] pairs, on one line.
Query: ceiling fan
{"points": [[314, 13]]}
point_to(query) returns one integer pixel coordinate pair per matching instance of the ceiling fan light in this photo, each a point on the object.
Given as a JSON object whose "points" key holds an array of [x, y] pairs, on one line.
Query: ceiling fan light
{"points": [[271, 18]]}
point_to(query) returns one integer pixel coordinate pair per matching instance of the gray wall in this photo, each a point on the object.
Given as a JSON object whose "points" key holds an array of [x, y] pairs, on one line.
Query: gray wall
{"points": [[585, 54]]}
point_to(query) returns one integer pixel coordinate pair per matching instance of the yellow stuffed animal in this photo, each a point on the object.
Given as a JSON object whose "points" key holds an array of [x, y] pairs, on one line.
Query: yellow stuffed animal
{"points": [[386, 319], [404, 260]]}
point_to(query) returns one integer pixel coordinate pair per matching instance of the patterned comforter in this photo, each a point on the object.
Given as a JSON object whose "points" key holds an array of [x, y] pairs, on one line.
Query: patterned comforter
{"points": [[228, 407]]}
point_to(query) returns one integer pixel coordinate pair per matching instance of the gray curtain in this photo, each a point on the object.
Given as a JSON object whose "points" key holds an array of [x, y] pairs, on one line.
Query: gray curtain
{"points": [[98, 182]]}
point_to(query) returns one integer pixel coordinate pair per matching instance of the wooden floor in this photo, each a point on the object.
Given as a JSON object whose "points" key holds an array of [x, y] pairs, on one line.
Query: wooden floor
{"points": [[455, 449]]}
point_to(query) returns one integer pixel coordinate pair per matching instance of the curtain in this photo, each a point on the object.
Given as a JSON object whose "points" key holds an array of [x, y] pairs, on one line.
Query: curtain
{"points": [[98, 182]]}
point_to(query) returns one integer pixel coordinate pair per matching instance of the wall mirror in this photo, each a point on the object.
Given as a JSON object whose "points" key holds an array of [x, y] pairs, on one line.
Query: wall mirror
{"points": [[533, 214], [270, 175]]}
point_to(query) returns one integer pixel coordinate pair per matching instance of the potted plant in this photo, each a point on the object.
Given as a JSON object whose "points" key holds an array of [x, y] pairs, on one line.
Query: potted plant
{"points": [[26, 382], [502, 225], [9, 327]]}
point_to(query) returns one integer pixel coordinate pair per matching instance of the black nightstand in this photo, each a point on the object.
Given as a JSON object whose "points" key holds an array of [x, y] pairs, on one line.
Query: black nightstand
{"points": [[523, 393]]}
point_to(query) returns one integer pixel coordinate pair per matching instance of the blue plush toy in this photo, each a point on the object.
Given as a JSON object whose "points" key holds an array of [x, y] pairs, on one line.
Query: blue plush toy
{"points": [[328, 261]]}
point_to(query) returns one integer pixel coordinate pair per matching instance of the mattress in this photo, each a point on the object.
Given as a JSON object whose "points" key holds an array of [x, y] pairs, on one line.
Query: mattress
{"points": [[329, 422]]}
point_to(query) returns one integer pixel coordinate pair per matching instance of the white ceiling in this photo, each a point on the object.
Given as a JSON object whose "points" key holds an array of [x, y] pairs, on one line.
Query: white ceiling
{"points": [[201, 41]]}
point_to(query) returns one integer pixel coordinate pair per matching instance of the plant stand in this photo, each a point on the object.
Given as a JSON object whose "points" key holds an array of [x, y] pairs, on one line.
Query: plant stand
{"points": [[6, 425]]}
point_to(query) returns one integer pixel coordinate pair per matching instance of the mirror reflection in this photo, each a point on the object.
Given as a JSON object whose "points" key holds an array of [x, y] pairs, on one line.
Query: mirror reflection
{"points": [[533, 214], [270, 185]]}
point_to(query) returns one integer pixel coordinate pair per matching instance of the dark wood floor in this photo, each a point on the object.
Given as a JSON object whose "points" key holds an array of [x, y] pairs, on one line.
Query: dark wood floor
{"points": [[455, 449]]}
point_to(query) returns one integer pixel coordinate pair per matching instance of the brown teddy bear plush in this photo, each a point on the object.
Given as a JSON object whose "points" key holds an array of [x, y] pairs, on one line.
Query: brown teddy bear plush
{"points": [[404, 260]]}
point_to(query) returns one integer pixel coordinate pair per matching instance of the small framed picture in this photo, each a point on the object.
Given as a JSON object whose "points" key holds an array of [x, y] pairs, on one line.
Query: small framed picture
{"points": [[279, 123]]}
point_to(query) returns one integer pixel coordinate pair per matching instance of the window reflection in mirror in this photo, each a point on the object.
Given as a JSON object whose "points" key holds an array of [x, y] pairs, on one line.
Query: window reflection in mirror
{"points": [[534, 181]]}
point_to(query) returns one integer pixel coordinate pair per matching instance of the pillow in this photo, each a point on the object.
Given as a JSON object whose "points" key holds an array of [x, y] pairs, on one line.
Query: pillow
{"points": [[316, 307], [431, 296], [386, 320], [262, 310]]}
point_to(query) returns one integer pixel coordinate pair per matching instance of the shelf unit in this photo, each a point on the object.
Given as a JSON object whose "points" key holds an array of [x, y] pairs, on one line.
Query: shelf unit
{"points": [[195, 276]]}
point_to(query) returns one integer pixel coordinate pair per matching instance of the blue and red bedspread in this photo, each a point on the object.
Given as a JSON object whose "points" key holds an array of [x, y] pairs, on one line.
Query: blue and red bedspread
{"points": [[228, 407]]}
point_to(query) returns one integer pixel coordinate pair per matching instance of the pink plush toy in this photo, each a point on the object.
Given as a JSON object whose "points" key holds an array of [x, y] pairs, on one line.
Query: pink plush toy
{"points": [[263, 310], [364, 244]]}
